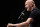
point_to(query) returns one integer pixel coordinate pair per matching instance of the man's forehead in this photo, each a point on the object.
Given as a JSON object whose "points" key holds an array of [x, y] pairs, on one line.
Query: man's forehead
{"points": [[27, 2]]}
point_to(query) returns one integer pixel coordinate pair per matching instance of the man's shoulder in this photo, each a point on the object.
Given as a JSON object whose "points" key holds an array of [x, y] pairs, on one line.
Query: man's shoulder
{"points": [[35, 11]]}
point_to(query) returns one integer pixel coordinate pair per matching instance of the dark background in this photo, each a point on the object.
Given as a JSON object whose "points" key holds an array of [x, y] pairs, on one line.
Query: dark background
{"points": [[10, 11]]}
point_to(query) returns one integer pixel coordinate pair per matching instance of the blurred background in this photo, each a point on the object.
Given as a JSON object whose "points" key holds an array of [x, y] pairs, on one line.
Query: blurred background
{"points": [[10, 11]]}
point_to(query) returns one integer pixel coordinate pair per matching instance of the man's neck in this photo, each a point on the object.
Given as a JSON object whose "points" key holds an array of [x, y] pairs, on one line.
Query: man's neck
{"points": [[32, 8]]}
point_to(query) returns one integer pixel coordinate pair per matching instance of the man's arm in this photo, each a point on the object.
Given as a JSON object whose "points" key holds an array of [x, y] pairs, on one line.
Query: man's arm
{"points": [[27, 22]]}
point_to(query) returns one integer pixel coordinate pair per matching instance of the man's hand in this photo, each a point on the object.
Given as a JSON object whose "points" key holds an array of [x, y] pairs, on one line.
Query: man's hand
{"points": [[11, 25]]}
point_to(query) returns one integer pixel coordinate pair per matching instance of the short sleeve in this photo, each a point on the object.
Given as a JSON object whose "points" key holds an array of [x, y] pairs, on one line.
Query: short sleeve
{"points": [[33, 14]]}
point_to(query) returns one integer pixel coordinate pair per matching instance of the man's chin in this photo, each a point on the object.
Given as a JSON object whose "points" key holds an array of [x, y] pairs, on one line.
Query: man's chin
{"points": [[27, 10]]}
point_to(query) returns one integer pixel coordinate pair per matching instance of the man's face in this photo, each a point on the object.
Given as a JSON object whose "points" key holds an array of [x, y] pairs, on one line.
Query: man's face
{"points": [[28, 6]]}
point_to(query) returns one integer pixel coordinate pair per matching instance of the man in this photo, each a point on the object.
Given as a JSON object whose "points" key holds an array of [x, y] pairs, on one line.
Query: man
{"points": [[33, 18]]}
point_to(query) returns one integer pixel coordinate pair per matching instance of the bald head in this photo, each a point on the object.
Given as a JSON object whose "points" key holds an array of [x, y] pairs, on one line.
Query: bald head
{"points": [[29, 2], [29, 5]]}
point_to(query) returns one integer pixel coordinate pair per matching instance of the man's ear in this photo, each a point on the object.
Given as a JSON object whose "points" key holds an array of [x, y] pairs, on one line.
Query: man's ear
{"points": [[31, 5]]}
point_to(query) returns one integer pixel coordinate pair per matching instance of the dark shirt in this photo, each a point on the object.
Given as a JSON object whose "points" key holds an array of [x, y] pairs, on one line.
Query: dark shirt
{"points": [[35, 14]]}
